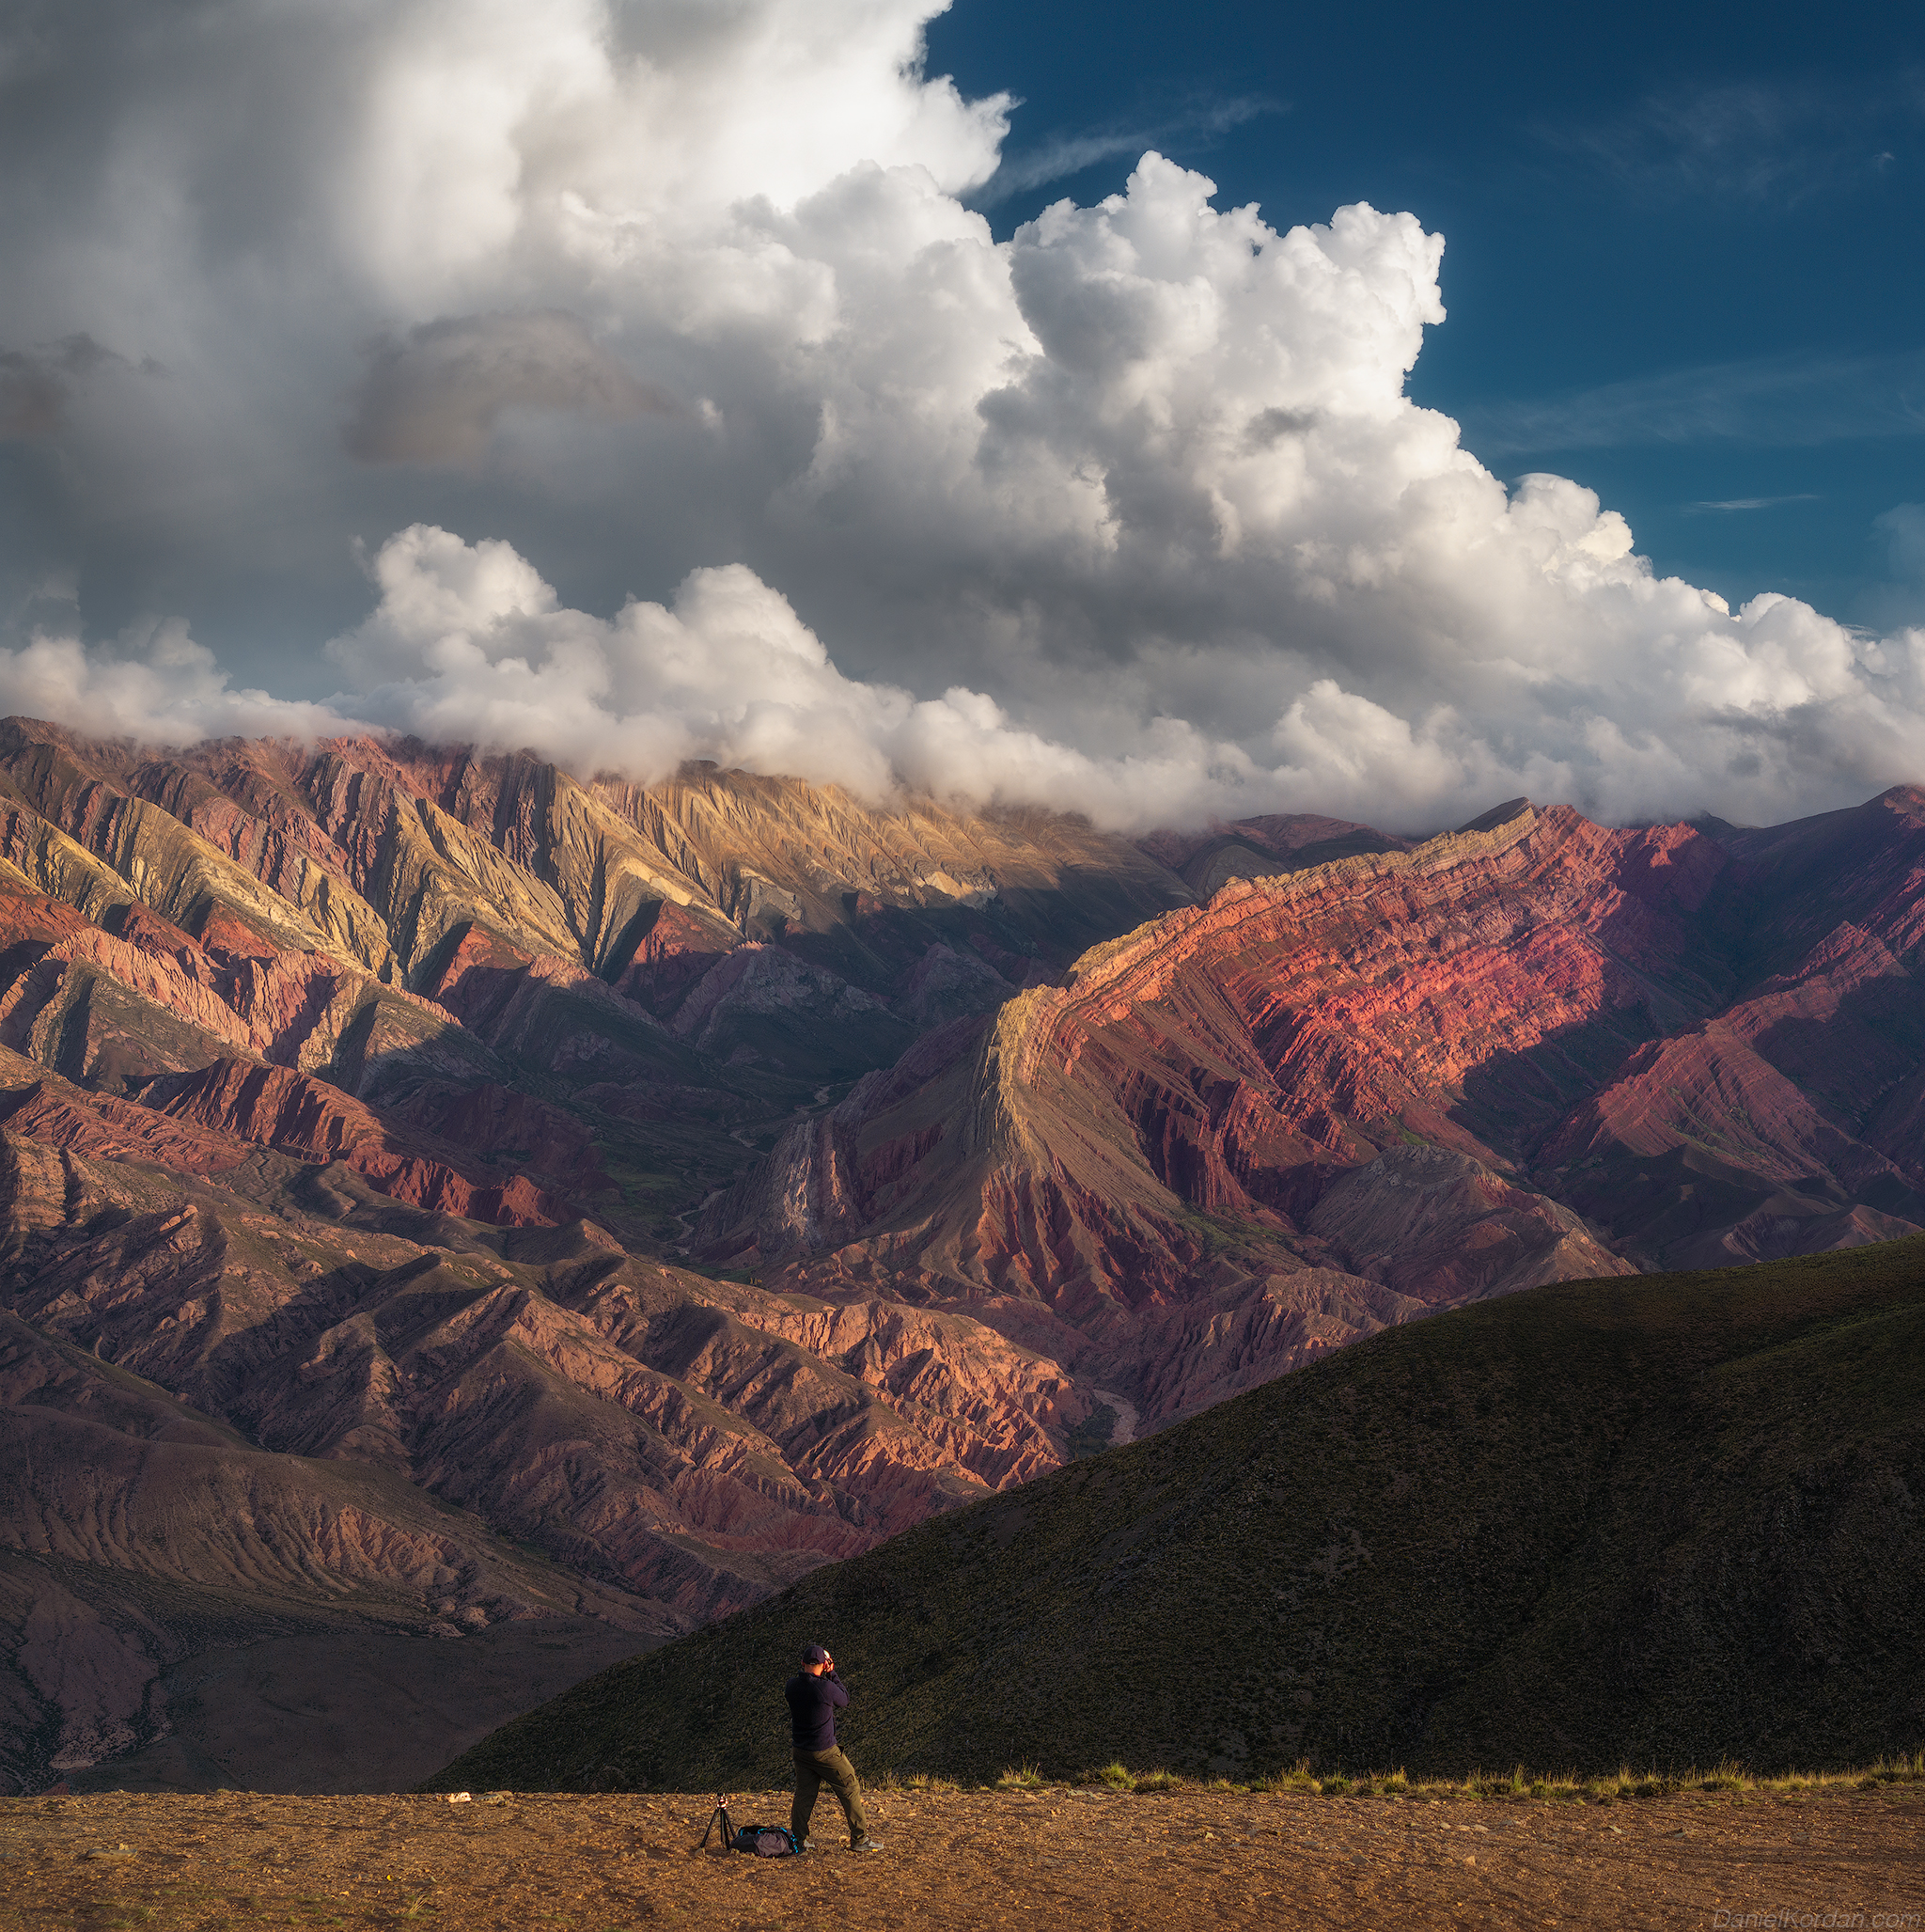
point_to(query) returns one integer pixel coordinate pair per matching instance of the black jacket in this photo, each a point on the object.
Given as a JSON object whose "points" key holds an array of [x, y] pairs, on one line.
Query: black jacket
{"points": [[813, 1703]]}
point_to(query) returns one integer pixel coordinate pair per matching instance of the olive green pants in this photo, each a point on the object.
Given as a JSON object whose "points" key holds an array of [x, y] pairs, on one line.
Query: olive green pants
{"points": [[815, 1768]]}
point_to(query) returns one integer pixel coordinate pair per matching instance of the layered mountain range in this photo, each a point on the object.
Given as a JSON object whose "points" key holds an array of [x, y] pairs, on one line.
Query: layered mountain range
{"points": [[444, 1199]]}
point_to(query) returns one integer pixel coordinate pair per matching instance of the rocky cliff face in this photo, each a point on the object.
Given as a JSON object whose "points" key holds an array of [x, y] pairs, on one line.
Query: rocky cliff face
{"points": [[692, 1185]]}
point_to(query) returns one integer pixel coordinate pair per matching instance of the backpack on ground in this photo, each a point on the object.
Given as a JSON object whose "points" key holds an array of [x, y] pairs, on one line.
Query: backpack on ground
{"points": [[759, 1841]]}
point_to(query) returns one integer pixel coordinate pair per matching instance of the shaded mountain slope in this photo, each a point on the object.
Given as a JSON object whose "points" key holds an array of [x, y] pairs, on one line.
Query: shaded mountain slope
{"points": [[1263, 848], [1659, 1521], [1790, 1120]]}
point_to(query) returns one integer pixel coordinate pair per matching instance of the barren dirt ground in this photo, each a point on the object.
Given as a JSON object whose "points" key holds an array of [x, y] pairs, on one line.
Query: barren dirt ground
{"points": [[971, 1859]]}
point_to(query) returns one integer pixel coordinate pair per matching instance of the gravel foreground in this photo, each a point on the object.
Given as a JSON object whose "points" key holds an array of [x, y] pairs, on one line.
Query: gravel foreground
{"points": [[1088, 1859]]}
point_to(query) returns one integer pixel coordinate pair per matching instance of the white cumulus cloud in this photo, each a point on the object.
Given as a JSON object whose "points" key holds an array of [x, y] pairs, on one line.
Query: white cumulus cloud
{"points": [[688, 411], [469, 645], [161, 686]]}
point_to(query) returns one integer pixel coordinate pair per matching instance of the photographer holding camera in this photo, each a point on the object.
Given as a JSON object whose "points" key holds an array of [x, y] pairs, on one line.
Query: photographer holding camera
{"points": [[815, 1694]]}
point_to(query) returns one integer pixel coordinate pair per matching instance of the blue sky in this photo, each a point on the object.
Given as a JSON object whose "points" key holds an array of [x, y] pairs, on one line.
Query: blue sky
{"points": [[1685, 257]]}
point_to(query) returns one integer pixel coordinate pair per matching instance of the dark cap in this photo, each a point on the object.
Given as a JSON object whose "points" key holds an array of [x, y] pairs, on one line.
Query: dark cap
{"points": [[814, 1654]]}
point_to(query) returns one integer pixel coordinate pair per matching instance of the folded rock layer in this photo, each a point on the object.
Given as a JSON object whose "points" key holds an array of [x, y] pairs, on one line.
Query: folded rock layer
{"points": [[1530, 1051]]}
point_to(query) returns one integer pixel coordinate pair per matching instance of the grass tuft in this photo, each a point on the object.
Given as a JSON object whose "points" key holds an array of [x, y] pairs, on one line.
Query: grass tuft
{"points": [[1727, 1777]]}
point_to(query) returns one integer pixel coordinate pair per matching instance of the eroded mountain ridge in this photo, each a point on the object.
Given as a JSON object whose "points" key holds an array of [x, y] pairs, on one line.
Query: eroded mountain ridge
{"points": [[398, 1110]]}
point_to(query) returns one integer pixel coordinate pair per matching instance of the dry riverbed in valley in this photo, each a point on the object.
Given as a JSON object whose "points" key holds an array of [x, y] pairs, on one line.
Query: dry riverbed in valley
{"points": [[1086, 1858]]}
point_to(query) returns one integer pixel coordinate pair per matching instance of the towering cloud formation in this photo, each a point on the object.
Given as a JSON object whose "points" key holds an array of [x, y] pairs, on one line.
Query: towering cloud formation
{"points": [[680, 304]]}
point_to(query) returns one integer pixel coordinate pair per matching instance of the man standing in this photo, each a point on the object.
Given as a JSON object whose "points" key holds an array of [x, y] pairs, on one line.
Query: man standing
{"points": [[815, 1694]]}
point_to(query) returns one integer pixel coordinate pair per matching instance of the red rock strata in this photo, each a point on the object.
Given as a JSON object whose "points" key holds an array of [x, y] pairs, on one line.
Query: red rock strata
{"points": [[272, 1107], [364, 1095], [1468, 1068]]}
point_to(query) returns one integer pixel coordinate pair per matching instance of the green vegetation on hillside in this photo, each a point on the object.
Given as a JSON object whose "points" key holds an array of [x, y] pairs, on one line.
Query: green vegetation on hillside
{"points": [[1660, 1520]]}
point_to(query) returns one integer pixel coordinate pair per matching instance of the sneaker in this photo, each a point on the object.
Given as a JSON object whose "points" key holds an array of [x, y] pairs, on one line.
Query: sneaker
{"points": [[865, 1845]]}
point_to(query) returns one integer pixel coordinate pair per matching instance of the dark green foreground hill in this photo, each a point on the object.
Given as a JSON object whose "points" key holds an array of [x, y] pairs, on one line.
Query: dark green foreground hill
{"points": [[1660, 1521]]}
